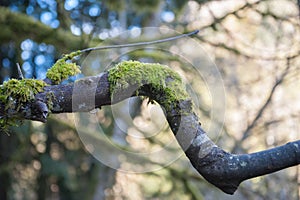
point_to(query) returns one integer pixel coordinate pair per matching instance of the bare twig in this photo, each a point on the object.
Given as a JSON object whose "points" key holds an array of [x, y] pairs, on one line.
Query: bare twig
{"points": [[141, 43], [20, 72]]}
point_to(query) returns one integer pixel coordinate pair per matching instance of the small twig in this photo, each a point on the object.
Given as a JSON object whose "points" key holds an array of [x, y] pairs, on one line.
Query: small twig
{"points": [[20, 72], [141, 43]]}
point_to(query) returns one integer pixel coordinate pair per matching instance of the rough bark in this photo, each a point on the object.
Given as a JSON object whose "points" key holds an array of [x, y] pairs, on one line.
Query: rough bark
{"points": [[222, 169]]}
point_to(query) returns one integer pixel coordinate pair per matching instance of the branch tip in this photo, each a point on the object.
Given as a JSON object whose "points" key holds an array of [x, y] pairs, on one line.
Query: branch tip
{"points": [[20, 72]]}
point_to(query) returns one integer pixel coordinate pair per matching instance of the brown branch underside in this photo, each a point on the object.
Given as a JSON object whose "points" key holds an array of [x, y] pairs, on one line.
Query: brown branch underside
{"points": [[224, 170]]}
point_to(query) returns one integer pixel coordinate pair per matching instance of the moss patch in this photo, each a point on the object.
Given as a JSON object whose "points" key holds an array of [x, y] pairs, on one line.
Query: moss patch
{"points": [[161, 78], [63, 69], [16, 93], [21, 91]]}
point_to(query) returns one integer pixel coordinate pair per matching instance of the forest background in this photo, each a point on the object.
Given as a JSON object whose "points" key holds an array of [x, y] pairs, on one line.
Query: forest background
{"points": [[243, 76]]}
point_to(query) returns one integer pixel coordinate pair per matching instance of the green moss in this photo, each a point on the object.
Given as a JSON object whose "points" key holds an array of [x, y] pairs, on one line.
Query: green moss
{"points": [[161, 78], [16, 93], [63, 69], [21, 91]]}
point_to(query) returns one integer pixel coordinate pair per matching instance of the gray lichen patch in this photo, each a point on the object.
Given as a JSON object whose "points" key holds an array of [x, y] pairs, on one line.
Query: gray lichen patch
{"points": [[203, 141]]}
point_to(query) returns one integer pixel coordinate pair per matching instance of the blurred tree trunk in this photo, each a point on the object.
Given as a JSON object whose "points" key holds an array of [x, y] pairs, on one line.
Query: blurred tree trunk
{"points": [[18, 27], [4, 174]]}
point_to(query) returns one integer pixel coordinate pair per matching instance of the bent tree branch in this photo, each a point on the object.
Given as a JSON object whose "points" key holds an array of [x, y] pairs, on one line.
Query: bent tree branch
{"points": [[222, 169]]}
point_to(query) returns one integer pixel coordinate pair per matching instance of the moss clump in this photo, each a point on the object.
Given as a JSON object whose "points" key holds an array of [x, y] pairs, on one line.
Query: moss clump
{"points": [[20, 91], [15, 93], [164, 82], [63, 69]]}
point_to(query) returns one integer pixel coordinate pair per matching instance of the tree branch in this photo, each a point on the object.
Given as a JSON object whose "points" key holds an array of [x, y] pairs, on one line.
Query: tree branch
{"points": [[12, 24], [222, 169]]}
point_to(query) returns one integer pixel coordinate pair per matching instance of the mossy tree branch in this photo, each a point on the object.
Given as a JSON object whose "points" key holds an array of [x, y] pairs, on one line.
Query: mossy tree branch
{"points": [[13, 25], [222, 169]]}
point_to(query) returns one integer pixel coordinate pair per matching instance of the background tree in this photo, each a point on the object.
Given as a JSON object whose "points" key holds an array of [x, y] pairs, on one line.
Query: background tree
{"points": [[242, 38]]}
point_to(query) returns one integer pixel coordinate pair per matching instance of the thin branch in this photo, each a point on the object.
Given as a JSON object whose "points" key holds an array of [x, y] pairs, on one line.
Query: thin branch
{"points": [[141, 43], [20, 74], [235, 50]]}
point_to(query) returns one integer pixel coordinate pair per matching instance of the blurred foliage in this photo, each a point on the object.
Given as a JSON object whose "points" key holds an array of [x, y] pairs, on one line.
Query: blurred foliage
{"points": [[254, 45]]}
